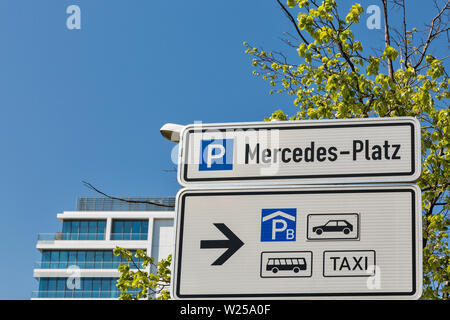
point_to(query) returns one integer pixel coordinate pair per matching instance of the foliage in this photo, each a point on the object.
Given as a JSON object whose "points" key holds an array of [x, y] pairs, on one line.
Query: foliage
{"points": [[332, 78], [139, 284]]}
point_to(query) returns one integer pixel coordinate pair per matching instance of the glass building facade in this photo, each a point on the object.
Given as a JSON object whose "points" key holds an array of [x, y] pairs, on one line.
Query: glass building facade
{"points": [[84, 259], [62, 287], [84, 230], [101, 224], [129, 230]]}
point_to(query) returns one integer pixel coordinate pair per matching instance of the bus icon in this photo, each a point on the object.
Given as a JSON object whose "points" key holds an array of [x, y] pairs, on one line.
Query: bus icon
{"points": [[286, 264]]}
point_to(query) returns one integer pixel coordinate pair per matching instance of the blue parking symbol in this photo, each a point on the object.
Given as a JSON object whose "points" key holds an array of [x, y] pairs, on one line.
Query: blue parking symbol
{"points": [[216, 154], [278, 224]]}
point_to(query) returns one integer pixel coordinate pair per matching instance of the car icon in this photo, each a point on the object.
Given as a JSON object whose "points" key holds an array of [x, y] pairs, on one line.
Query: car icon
{"points": [[286, 264], [334, 226]]}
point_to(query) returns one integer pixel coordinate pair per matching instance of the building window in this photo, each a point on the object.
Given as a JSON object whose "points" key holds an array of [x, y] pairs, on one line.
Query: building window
{"points": [[129, 230], [88, 288], [84, 230], [85, 259]]}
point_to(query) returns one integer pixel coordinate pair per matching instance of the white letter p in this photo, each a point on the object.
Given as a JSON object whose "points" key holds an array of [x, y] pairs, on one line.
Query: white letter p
{"points": [[210, 156], [275, 229]]}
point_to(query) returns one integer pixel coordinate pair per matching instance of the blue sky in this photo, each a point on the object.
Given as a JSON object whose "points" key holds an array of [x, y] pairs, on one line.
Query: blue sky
{"points": [[88, 104]]}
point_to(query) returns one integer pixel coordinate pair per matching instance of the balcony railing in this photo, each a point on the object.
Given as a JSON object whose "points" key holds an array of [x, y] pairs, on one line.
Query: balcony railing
{"points": [[80, 294], [129, 236], [50, 237], [141, 204], [85, 264]]}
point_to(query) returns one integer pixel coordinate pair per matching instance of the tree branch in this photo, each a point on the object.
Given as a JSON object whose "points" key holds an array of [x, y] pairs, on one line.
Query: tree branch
{"points": [[431, 33], [405, 35], [90, 186], [387, 39], [291, 18]]}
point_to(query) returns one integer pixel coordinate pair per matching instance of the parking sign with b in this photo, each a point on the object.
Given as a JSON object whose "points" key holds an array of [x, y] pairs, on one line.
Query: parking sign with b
{"points": [[278, 224]]}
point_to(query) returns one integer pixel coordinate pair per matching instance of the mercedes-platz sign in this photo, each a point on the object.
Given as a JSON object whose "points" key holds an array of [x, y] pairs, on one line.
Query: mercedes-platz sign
{"points": [[301, 152]]}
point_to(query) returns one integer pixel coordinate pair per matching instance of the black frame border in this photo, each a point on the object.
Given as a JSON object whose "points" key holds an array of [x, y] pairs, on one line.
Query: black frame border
{"points": [[324, 176], [179, 252]]}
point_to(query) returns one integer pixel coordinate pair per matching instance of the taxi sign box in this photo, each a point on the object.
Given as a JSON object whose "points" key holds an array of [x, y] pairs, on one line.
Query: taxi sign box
{"points": [[347, 242], [301, 152]]}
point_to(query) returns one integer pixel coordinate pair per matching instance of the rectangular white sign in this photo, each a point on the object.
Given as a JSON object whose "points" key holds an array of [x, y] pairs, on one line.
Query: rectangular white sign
{"points": [[315, 151], [328, 242]]}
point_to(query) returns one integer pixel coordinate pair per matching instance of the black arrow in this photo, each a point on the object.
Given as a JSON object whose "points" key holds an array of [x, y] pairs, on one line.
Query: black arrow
{"points": [[232, 244]]}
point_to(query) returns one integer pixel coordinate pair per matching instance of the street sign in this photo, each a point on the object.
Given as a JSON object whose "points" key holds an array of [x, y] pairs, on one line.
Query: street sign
{"points": [[307, 152], [292, 242]]}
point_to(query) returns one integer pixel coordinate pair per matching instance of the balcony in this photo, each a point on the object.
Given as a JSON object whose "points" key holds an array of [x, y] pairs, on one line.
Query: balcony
{"points": [[51, 237], [106, 204], [86, 264], [59, 236], [129, 236], [76, 294]]}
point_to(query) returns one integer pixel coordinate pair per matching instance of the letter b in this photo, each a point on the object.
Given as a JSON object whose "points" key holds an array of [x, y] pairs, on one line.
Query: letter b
{"points": [[290, 234]]}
